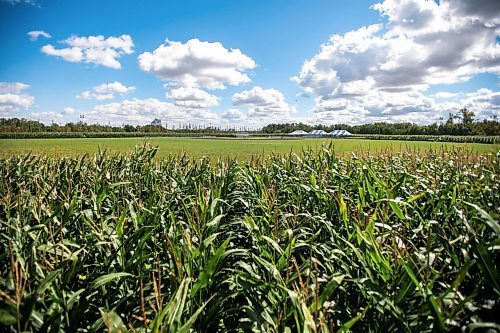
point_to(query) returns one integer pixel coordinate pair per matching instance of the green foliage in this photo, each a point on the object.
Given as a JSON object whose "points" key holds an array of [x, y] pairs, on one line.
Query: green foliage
{"points": [[305, 242], [459, 124], [436, 138], [25, 128], [69, 135]]}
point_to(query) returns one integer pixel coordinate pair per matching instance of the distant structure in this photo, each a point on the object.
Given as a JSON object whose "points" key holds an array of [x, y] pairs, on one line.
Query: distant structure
{"points": [[156, 122], [340, 133], [298, 132], [317, 133], [336, 133]]}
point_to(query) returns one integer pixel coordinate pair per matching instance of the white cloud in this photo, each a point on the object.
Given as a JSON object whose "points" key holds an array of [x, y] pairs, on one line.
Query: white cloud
{"points": [[483, 102], [232, 116], [263, 103], [93, 49], [384, 69], [47, 117], [114, 87], [12, 97], [106, 91], [68, 110], [72, 54], [98, 97], [37, 33], [405, 107], [201, 116], [22, 100], [192, 97], [12, 87], [445, 95], [197, 64], [143, 111], [15, 2]]}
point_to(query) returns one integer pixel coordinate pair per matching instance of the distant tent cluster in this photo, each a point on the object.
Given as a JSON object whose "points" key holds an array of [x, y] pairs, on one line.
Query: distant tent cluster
{"points": [[336, 133]]}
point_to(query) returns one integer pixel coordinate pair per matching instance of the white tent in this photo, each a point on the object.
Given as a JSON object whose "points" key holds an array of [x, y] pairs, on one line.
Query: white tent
{"points": [[298, 132], [339, 133], [317, 132]]}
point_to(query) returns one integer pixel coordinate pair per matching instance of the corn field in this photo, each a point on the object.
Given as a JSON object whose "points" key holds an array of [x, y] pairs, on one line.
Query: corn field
{"points": [[297, 243]]}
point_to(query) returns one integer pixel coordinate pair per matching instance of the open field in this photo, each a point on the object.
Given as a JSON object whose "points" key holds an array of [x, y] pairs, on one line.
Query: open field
{"points": [[241, 148], [303, 243]]}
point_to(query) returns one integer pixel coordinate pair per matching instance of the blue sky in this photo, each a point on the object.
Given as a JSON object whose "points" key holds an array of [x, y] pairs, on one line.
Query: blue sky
{"points": [[248, 63]]}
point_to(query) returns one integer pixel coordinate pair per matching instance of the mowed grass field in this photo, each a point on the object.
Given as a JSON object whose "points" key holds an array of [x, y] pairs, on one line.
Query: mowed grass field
{"points": [[222, 147]]}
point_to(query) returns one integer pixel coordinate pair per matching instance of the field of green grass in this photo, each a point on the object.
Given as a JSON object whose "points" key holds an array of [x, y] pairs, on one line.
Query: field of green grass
{"points": [[240, 148]]}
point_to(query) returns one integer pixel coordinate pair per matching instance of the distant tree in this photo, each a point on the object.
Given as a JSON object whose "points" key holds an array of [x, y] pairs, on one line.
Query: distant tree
{"points": [[466, 116]]}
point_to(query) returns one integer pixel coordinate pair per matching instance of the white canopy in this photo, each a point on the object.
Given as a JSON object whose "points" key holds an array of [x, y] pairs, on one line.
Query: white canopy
{"points": [[318, 132], [298, 132], [339, 133]]}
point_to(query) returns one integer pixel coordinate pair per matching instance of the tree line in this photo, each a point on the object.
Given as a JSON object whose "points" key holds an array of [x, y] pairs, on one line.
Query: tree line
{"points": [[461, 123], [22, 125]]}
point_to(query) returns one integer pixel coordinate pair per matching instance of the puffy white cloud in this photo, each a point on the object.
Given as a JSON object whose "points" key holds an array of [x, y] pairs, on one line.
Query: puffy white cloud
{"points": [[232, 116], [98, 97], [106, 91], [445, 95], [93, 49], [37, 33], [197, 64], [114, 87], [22, 100], [405, 107], [143, 111], [72, 54], [263, 103], [192, 97], [12, 87], [68, 110], [201, 116], [483, 102], [12, 97], [384, 69]]}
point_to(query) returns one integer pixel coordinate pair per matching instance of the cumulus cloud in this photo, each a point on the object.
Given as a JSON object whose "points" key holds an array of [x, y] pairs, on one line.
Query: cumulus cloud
{"points": [[263, 103], [143, 111], [445, 95], [68, 110], [71, 54], [484, 102], [114, 87], [197, 64], [192, 97], [13, 98], [483, 10], [37, 33], [93, 49], [232, 116], [12, 87], [383, 69], [106, 91], [405, 107]]}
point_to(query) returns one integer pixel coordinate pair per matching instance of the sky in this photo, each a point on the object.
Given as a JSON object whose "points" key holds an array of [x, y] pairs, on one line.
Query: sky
{"points": [[248, 63]]}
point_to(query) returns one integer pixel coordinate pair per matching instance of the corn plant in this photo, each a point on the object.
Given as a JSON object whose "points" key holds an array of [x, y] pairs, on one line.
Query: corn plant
{"points": [[306, 242]]}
